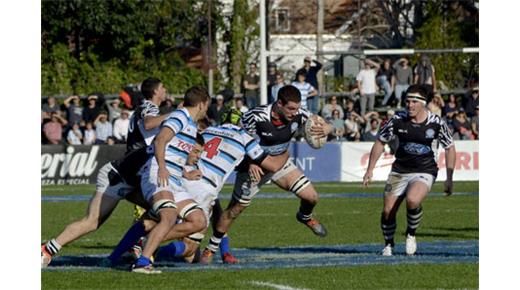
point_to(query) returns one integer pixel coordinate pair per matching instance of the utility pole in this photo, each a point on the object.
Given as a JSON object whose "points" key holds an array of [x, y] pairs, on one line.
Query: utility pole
{"points": [[263, 55], [319, 44], [210, 53]]}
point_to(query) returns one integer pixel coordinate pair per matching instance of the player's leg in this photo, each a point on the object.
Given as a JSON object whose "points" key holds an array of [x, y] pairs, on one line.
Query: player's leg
{"points": [[100, 207], [292, 179], [418, 189], [225, 250], [193, 219], [394, 194]]}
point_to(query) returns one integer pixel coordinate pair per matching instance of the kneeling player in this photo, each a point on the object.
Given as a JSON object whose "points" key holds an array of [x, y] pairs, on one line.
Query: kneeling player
{"points": [[414, 170]]}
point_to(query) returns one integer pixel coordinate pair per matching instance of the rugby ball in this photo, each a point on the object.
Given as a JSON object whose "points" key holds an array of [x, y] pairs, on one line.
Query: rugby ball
{"points": [[314, 141]]}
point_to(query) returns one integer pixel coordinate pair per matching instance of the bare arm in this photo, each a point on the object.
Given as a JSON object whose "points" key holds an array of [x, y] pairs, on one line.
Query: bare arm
{"points": [[164, 136], [275, 163], [375, 153], [450, 167], [152, 122], [434, 80]]}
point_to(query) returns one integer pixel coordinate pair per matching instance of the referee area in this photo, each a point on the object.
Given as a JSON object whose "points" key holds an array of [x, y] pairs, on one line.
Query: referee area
{"points": [[277, 252]]}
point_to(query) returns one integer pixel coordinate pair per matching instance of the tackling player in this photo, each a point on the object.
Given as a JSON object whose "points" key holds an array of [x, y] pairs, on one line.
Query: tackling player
{"points": [[414, 169], [274, 126]]}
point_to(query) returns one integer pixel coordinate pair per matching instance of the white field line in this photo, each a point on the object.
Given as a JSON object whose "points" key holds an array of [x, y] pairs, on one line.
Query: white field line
{"points": [[275, 286]]}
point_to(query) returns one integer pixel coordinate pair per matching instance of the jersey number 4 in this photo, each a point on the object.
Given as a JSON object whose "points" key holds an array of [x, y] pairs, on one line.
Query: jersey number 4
{"points": [[211, 147]]}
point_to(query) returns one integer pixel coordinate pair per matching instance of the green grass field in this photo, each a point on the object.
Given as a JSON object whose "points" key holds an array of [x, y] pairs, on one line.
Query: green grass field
{"points": [[271, 223]]}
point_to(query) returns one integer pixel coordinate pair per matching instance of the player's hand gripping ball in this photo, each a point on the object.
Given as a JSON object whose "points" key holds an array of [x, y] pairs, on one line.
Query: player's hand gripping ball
{"points": [[314, 140]]}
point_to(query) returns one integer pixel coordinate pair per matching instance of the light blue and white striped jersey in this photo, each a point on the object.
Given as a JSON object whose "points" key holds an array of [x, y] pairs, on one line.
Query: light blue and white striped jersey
{"points": [[305, 89], [181, 144], [224, 148]]}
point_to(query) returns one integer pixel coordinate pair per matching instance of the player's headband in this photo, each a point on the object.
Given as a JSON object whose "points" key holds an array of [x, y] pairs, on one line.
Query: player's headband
{"points": [[416, 97]]}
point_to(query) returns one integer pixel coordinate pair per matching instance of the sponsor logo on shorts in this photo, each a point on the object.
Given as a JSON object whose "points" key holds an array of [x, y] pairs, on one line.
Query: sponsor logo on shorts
{"points": [[388, 187]]}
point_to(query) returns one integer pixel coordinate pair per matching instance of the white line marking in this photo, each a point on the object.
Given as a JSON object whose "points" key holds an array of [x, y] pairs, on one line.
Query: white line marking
{"points": [[275, 286]]}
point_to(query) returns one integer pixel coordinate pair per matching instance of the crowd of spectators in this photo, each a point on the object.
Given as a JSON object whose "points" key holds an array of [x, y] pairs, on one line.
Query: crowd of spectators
{"points": [[92, 120]]}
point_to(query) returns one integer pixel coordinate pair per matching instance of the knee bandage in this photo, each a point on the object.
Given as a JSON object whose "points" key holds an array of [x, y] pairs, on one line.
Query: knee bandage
{"points": [[299, 184], [196, 237], [160, 205]]}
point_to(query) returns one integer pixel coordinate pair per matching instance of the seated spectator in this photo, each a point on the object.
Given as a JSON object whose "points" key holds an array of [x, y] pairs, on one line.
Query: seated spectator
{"points": [[471, 103], [338, 131], [90, 134], [239, 105], [167, 106], [352, 126], [326, 113], [53, 130], [74, 137], [349, 107], [474, 123], [121, 126], [91, 111], [215, 110], [103, 128], [371, 135], [451, 107], [111, 140], [436, 105], [74, 109], [279, 83], [114, 111], [306, 89], [51, 106], [462, 127]]}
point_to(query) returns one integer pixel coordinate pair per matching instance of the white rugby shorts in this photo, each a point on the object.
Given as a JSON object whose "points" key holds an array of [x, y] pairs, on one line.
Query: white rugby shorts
{"points": [[149, 183], [110, 183], [397, 183]]}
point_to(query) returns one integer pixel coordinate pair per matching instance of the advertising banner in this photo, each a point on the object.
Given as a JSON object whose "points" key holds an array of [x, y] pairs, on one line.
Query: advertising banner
{"points": [[77, 164]]}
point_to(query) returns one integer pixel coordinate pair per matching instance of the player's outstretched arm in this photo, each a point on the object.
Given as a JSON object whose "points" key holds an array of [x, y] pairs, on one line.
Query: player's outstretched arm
{"points": [[450, 167], [375, 153], [152, 122], [164, 136], [275, 163]]}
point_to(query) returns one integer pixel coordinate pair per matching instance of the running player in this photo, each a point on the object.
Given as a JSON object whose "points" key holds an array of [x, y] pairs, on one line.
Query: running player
{"points": [[274, 126], [414, 170], [162, 174]]}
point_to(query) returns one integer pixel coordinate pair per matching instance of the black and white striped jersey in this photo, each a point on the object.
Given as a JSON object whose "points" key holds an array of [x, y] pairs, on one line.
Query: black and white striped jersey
{"points": [[137, 136], [273, 138], [417, 142]]}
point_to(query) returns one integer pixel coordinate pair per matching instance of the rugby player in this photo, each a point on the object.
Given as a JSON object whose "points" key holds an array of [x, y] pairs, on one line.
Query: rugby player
{"points": [[162, 174], [274, 126], [414, 170]]}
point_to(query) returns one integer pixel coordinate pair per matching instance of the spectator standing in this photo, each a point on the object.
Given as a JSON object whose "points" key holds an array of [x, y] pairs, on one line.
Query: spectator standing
{"points": [[366, 83], [474, 123], [280, 82], [386, 80], [103, 128], [90, 134], [91, 111], [114, 111], [74, 137], [53, 130], [306, 89], [74, 109], [121, 126], [436, 105], [50, 106], [271, 81], [425, 74], [472, 103], [329, 108], [312, 78], [338, 126], [215, 110], [239, 105], [403, 78], [251, 84]]}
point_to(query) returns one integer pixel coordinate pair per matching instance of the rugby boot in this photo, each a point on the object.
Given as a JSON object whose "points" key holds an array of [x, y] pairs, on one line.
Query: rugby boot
{"points": [[316, 227], [206, 257], [411, 245], [46, 257], [387, 251], [228, 258]]}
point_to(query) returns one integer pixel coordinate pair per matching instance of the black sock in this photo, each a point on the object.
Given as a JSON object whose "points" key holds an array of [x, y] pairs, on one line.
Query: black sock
{"points": [[414, 217], [214, 242], [305, 211], [388, 227]]}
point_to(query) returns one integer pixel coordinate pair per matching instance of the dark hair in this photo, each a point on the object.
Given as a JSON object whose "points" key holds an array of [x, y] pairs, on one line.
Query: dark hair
{"points": [[289, 93], [149, 86], [421, 90], [199, 139], [335, 111], [195, 95], [302, 72], [202, 124]]}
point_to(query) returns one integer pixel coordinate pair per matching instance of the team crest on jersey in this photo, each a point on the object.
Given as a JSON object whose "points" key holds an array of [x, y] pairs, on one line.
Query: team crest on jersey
{"points": [[294, 127], [430, 134]]}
